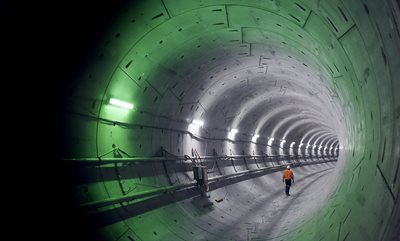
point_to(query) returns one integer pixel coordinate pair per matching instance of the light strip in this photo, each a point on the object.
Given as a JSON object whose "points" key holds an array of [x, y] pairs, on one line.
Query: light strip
{"points": [[255, 137], [121, 103], [198, 122]]}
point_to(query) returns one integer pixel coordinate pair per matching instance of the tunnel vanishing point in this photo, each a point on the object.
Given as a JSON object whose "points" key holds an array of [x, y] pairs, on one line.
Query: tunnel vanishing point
{"points": [[230, 92]]}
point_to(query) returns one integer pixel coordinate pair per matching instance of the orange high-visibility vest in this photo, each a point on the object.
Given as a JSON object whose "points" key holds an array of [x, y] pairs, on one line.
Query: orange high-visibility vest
{"points": [[288, 174]]}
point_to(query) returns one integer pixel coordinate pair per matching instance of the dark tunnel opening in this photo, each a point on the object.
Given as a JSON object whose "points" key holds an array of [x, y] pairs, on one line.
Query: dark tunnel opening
{"points": [[243, 89]]}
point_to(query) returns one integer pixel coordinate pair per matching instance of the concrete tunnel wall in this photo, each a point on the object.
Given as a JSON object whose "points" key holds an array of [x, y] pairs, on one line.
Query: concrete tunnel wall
{"points": [[317, 73]]}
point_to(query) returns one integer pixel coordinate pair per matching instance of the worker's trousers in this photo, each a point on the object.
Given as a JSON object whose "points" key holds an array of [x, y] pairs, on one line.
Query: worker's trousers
{"points": [[288, 183]]}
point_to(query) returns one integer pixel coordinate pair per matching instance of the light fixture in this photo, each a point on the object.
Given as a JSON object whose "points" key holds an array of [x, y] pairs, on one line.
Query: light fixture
{"points": [[232, 133], [121, 103], [271, 139], [234, 130], [198, 123], [255, 136], [282, 143]]}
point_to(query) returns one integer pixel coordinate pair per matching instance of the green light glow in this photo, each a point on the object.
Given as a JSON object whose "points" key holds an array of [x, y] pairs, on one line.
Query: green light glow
{"points": [[121, 103]]}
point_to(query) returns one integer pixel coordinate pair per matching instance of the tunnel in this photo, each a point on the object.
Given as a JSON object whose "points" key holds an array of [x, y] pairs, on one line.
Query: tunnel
{"points": [[179, 116]]}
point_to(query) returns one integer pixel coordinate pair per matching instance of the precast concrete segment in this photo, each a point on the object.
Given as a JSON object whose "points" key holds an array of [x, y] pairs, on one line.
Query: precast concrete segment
{"points": [[233, 64]]}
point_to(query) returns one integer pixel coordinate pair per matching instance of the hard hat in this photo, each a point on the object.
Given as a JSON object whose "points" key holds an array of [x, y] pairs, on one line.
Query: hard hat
{"points": [[288, 167]]}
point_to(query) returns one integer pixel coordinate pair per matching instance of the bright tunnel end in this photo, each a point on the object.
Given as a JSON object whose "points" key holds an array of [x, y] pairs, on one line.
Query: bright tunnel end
{"points": [[319, 78]]}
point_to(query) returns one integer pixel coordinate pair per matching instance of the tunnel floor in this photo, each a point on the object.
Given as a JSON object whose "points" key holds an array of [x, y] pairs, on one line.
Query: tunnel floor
{"points": [[256, 209]]}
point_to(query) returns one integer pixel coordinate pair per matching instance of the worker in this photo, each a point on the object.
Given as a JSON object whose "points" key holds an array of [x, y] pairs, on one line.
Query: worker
{"points": [[287, 178]]}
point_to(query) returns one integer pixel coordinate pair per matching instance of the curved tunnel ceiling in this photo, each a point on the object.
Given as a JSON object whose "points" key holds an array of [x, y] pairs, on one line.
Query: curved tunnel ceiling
{"points": [[316, 73]]}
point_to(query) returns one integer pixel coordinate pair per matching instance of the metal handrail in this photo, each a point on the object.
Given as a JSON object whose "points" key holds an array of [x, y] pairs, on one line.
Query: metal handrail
{"points": [[110, 160], [192, 184]]}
